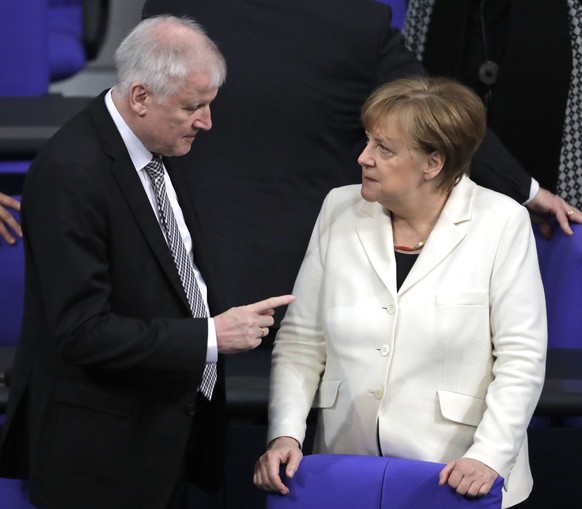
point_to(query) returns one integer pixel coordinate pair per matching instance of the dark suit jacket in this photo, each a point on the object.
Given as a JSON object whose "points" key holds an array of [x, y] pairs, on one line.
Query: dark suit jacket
{"points": [[103, 391], [530, 41], [287, 127]]}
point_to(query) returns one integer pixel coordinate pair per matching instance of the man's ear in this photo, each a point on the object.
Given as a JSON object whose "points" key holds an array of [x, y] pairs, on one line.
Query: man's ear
{"points": [[434, 165], [139, 98]]}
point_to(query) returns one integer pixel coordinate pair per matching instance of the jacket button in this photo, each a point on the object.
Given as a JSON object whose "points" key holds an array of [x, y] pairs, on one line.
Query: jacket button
{"points": [[378, 393], [385, 350], [190, 410]]}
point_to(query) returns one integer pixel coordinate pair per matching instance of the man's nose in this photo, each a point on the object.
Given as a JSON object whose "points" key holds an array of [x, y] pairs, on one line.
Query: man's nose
{"points": [[203, 119]]}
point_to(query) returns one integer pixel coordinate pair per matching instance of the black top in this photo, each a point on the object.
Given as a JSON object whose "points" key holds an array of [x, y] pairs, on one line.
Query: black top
{"points": [[404, 262]]}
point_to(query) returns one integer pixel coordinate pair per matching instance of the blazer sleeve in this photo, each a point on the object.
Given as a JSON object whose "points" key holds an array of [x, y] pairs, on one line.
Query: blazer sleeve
{"points": [[299, 353], [519, 338]]}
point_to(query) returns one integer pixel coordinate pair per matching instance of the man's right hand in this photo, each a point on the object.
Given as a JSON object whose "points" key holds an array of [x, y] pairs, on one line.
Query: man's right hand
{"points": [[243, 328]]}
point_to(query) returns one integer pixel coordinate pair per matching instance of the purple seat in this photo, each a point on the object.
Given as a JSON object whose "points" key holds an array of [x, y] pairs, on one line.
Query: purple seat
{"points": [[65, 38], [338, 481], [24, 63], [12, 491], [43, 41], [398, 12], [13, 494], [13, 167], [560, 261], [11, 290]]}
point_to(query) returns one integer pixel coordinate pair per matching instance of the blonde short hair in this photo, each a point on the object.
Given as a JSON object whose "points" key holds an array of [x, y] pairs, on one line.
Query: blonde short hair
{"points": [[432, 114]]}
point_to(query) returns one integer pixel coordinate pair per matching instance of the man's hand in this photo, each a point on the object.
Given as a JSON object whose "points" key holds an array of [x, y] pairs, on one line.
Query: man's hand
{"points": [[7, 220], [281, 451], [243, 328], [468, 477], [546, 205]]}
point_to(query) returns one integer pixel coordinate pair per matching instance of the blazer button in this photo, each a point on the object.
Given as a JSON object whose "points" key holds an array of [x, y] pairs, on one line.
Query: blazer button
{"points": [[385, 350], [190, 409], [390, 309], [378, 393]]}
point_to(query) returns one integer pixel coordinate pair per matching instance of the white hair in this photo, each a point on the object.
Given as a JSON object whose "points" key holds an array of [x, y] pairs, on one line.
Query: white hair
{"points": [[162, 62]]}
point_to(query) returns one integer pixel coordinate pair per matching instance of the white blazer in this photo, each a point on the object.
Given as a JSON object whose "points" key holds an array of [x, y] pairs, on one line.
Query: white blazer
{"points": [[449, 366]]}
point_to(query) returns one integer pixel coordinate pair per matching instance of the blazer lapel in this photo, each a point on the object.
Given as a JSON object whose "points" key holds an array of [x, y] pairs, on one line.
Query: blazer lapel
{"points": [[446, 234], [375, 233]]}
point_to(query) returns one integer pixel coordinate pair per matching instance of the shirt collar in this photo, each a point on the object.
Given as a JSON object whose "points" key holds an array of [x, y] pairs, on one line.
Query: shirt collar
{"points": [[140, 156]]}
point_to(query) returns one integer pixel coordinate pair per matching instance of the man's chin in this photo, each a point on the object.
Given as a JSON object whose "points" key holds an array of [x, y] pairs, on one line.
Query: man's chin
{"points": [[183, 149]]}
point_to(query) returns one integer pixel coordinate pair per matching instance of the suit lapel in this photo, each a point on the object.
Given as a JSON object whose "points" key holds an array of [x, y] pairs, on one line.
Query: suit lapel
{"points": [[131, 187], [177, 170], [375, 233], [446, 234]]}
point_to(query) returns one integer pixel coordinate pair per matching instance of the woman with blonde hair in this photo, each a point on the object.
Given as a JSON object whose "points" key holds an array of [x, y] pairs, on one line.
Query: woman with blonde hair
{"points": [[419, 326]]}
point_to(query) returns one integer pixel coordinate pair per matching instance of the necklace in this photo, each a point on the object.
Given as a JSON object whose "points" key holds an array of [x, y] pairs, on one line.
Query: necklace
{"points": [[418, 246]]}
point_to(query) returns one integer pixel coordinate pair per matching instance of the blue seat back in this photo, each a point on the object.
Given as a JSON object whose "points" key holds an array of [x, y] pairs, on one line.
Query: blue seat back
{"points": [[560, 261], [11, 289], [338, 481], [24, 53], [398, 12]]}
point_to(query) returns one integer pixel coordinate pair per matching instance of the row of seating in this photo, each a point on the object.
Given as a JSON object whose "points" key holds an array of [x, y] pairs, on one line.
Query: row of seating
{"points": [[47, 40], [336, 481]]}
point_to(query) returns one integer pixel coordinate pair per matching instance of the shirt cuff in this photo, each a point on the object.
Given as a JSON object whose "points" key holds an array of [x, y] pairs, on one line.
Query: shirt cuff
{"points": [[533, 190], [212, 349]]}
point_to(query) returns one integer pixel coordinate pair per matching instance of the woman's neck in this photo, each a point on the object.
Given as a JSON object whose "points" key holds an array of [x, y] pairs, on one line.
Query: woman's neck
{"points": [[412, 224]]}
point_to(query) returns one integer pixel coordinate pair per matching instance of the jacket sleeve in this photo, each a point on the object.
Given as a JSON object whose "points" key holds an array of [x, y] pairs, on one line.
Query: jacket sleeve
{"points": [[519, 338], [494, 167]]}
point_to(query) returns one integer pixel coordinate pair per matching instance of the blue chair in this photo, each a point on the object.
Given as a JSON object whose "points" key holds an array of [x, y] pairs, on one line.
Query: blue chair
{"points": [[12, 290], [398, 12], [43, 41], [65, 38], [11, 308], [560, 261], [13, 494], [338, 481], [24, 63], [12, 491]]}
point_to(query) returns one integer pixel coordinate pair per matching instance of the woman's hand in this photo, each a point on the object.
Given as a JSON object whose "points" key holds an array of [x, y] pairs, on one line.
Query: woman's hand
{"points": [[468, 477], [281, 451]]}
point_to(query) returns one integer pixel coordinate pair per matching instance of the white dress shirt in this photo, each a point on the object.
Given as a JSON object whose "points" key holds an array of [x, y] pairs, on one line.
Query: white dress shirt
{"points": [[140, 157]]}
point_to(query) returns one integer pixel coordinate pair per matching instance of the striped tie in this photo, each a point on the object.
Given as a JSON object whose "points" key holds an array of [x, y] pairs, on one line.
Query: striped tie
{"points": [[155, 171]]}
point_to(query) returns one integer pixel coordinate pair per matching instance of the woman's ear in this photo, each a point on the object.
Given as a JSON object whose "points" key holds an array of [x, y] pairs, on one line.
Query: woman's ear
{"points": [[434, 165]]}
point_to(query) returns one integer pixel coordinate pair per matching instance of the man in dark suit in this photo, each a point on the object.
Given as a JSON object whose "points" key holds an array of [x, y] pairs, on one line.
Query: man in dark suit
{"points": [[288, 128], [520, 56], [104, 408]]}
